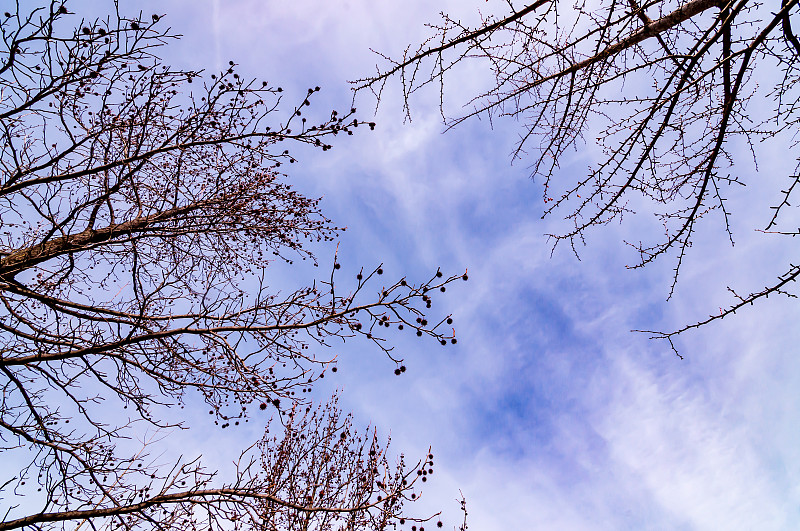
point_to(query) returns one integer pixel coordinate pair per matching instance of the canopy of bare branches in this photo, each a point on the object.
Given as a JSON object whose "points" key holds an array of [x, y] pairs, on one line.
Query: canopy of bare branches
{"points": [[140, 206], [665, 85]]}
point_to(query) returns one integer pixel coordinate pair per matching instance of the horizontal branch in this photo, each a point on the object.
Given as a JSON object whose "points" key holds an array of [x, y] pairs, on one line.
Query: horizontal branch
{"points": [[105, 348], [229, 495]]}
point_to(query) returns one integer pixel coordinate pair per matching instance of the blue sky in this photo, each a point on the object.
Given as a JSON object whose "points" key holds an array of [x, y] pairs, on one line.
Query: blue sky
{"points": [[549, 413]]}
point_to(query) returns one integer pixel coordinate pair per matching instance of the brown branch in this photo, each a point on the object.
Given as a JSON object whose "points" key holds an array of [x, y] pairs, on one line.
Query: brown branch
{"points": [[464, 38], [23, 259], [230, 495], [788, 34]]}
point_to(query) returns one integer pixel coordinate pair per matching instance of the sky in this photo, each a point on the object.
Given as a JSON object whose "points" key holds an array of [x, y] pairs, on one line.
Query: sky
{"points": [[549, 413]]}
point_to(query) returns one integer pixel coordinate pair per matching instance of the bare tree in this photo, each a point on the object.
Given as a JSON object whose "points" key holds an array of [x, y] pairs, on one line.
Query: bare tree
{"points": [[140, 207], [665, 86]]}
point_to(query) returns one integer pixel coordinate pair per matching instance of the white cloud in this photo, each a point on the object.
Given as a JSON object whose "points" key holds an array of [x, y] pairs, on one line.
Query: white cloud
{"points": [[688, 455]]}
